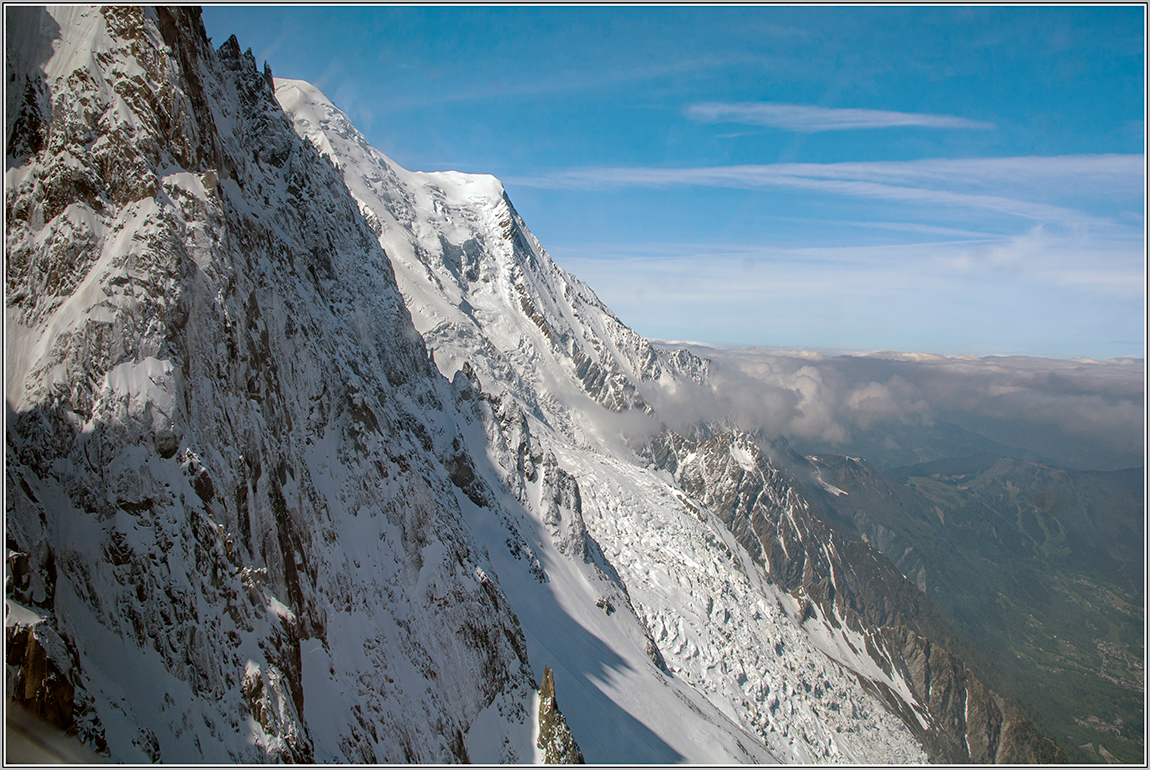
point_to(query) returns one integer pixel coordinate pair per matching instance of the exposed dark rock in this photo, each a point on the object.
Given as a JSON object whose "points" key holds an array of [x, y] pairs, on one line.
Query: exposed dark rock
{"points": [[461, 469], [37, 678], [559, 747], [563, 510], [531, 312]]}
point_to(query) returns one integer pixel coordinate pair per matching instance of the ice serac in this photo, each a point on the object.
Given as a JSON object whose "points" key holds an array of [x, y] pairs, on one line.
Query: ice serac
{"points": [[234, 480], [861, 610]]}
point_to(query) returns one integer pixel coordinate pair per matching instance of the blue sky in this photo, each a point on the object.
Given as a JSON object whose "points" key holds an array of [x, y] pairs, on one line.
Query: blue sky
{"points": [[946, 180]]}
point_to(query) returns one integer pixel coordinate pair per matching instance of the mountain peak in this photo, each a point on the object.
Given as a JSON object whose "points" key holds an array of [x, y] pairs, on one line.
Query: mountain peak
{"points": [[316, 117]]}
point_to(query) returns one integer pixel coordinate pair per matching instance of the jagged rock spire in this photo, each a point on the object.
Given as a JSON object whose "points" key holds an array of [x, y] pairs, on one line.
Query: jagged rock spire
{"points": [[559, 747]]}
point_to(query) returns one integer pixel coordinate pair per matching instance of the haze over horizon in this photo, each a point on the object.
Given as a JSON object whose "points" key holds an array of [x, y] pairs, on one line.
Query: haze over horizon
{"points": [[939, 180], [828, 352]]}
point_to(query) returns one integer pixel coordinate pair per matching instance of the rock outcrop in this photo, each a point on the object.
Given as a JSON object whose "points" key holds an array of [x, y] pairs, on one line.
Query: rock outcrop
{"points": [[559, 748]]}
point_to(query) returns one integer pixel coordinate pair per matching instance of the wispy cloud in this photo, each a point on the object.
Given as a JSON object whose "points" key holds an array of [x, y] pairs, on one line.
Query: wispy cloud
{"points": [[1100, 267], [1044, 291], [966, 183], [807, 119], [914, 227], [1125, 171]]}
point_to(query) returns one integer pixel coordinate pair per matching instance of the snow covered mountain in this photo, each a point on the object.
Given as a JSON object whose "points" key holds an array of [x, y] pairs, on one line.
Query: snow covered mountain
{"points": [[230, 527], [542, 347], [312, 458], [481, 288]]}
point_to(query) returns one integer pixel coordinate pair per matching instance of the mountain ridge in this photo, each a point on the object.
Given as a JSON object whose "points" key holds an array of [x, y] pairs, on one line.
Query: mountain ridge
{"points": [[686, 365], [181, 425]]}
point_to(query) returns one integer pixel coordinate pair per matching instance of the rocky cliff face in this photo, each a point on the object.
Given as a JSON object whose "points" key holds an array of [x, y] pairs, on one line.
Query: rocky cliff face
{"points": [[231, 526], [847, 586]]}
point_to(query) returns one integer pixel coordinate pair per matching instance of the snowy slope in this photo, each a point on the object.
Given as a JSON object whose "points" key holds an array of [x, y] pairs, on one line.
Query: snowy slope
{"points": [[700, 658]]}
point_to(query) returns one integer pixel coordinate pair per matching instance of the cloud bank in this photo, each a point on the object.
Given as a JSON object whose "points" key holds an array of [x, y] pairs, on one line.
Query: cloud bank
{"points": [[1078, 413]]}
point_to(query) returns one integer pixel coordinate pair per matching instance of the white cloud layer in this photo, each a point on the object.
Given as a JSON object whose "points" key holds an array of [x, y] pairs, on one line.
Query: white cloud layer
{"points": [[807, 119], [1087, 406]]}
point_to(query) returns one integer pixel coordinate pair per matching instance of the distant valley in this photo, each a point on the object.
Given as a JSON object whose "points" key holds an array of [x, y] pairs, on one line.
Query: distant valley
{"points": [[1040, 568]]}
